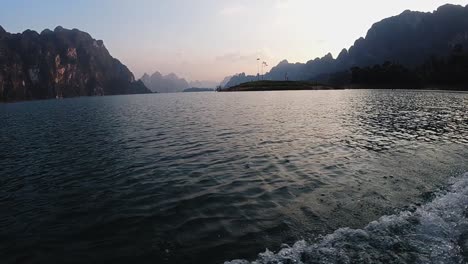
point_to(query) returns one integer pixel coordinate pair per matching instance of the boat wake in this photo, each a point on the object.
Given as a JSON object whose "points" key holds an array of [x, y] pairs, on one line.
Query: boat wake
{"points": [[436, 232]]}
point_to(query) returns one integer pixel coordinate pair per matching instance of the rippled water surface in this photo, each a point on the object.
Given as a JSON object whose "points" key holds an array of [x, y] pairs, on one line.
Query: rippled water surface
{"points": [[210, 177]]}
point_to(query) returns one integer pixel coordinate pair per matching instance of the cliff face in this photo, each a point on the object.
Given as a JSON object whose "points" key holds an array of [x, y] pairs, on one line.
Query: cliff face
{"points": [[60, 63]]}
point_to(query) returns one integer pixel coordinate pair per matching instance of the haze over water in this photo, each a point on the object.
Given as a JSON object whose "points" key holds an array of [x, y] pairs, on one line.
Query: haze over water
{"points": [[204, 178]]}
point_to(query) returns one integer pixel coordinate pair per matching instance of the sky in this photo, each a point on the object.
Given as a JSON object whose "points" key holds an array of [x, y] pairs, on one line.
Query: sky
{"points": [[211, 39]]}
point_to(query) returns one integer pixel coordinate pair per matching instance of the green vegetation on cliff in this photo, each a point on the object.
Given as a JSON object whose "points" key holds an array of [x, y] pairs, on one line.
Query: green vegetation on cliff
{"points": [[278, 86]]}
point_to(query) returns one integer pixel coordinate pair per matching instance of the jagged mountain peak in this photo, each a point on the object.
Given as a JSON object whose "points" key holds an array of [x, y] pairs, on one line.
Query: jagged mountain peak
{"points": [[156, 74], [329, 56], [342, 55], [169, 83]]}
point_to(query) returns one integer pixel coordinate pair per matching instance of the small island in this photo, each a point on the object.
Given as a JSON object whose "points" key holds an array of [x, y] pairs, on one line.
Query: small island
{"points": [[198, 90], [278, 86]]}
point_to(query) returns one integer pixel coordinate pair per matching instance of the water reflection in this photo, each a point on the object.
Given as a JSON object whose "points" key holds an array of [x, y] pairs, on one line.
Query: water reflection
{"points": [[189, 178]]}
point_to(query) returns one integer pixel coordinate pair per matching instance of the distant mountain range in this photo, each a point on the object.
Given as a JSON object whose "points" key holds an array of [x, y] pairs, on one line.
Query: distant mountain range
{"points": [[60, 63], [171, 83], [409, 39]]}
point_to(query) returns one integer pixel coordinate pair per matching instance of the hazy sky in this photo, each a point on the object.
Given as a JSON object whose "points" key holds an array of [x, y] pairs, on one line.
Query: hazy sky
{"points": [[209, 39]]}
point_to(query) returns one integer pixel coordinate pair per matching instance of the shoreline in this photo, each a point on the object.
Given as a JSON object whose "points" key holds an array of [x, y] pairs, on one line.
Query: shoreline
{"points": [[260, 89], [280, 86], [260, 86]]}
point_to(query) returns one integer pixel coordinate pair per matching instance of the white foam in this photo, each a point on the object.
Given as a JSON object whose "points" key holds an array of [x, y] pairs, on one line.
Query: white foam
{"points": [[431, 234]]}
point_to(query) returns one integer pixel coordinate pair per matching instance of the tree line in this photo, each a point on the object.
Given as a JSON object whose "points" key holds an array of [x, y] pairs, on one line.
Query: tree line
{"points": [[450, 72]]}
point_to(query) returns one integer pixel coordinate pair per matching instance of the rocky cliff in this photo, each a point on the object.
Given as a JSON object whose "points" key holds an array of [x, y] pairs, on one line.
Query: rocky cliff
{"points": [[58, 64]]}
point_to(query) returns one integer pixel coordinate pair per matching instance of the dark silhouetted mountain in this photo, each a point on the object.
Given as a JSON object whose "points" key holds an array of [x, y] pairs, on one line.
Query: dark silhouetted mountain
{"points": [[170, 83], [408, 39], [444, 72], [60, 63], [238, 79], [225, 81]]}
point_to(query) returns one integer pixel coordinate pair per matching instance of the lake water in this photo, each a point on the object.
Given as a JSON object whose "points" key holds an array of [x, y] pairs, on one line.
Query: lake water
{"points": [[212, 177]]}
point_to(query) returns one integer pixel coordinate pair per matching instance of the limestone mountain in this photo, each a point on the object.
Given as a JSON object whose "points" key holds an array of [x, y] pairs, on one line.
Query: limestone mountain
{"points": [[170, 83], [225, 81], [409, 39], [60, 63]]}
